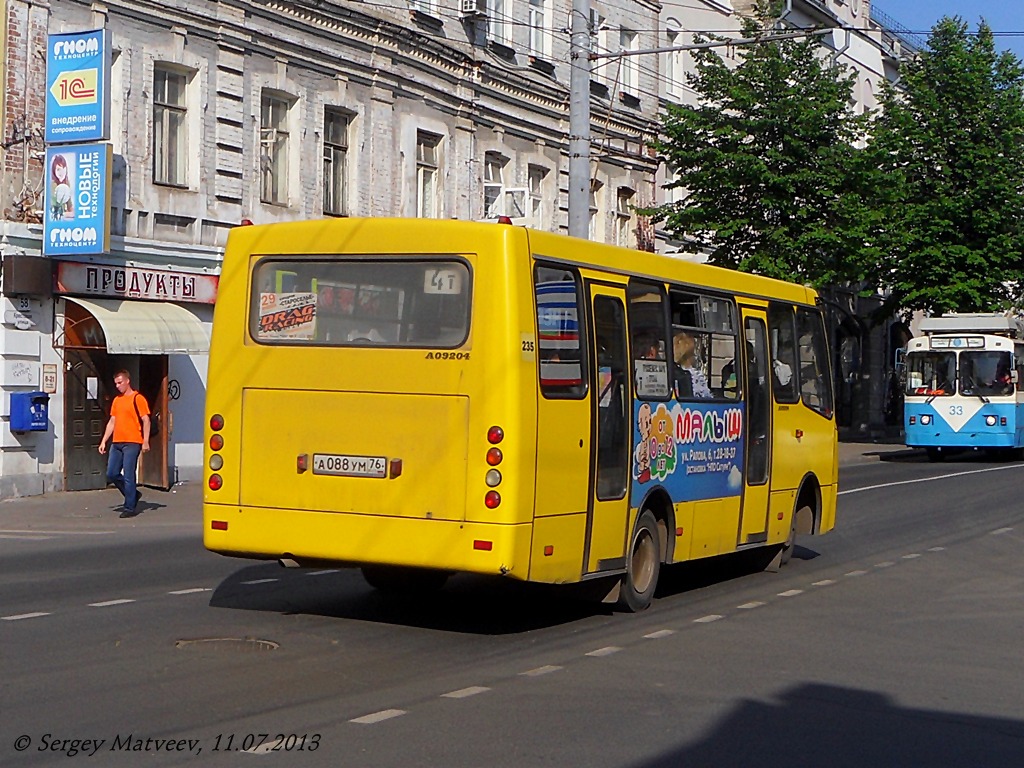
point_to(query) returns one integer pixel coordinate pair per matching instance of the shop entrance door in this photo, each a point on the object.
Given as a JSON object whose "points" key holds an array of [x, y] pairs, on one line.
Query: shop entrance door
{"points": [[152, 383], [85, 418]]}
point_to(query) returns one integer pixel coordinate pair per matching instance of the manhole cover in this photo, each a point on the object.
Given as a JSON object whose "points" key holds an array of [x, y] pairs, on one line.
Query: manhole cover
{"points": [[227, 644]]}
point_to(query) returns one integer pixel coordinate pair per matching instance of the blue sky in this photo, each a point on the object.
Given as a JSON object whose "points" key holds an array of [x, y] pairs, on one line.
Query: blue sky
{"points": [[1001, 15]]}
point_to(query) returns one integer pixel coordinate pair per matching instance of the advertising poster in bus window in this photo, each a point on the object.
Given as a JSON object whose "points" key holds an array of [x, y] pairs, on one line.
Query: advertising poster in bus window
{"points": [[694, 450], [559, 334], [287, 315]]}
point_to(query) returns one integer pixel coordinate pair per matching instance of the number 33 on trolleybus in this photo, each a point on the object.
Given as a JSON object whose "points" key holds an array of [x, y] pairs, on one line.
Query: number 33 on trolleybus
{"points": [[421, 398]]}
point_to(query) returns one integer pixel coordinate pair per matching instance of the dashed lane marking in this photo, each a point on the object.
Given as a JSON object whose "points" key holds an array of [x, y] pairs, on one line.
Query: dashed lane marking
{"points": [[911, 556], [886, 564], [608, 650], [545, 670], [708, 619], [791, 593], [751, 604], [259, 581], [191, 591], [823, 583], [936, 549], [55, 533], [465, 693], [21, 616], [1000, 531], [377, 717], [108, 603], [324, 573], [660, 634], [855, 573]]}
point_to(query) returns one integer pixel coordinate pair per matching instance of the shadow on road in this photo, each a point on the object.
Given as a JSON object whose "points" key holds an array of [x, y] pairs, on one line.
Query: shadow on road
{"points": [[815, 725]]}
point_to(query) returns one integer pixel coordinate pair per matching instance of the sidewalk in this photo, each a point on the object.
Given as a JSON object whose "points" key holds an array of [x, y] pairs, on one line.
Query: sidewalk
{"points": [[851, 453]]}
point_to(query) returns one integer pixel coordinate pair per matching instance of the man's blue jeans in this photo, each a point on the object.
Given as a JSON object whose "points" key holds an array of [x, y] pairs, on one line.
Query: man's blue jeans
{"points": [[124, 456]]}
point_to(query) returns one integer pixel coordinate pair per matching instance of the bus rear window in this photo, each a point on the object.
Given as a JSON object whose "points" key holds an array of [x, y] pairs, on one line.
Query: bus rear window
{"points": [[348, 302]]}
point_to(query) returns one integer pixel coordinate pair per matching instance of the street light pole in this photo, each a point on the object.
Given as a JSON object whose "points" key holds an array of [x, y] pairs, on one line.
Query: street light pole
{"points": [[579, 120]]}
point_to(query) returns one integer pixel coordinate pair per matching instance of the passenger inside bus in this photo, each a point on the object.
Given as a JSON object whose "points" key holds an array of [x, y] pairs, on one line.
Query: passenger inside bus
{"points": [[688, 375]]}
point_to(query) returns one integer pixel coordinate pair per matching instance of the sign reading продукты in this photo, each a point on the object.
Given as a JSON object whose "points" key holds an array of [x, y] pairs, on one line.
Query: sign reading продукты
{"points": [[77, 216], [77, 87]]}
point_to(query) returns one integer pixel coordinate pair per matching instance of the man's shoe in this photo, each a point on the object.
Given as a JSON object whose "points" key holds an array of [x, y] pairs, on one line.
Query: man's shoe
{"points": [[128, 513]]}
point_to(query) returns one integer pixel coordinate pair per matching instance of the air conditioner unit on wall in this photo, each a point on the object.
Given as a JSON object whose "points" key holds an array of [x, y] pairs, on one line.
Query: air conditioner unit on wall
{"points": [[471, 8]]}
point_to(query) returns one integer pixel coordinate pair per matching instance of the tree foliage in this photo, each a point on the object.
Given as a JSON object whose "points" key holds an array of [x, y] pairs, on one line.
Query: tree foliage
{"points": [[769, 165], [950, 138]]}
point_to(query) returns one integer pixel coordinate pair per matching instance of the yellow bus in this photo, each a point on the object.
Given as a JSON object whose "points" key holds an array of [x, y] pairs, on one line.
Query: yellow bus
{"points": [[420, 397]]}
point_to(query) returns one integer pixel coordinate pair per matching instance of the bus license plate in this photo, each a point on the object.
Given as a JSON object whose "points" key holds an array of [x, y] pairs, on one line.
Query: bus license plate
{"points": [[349, 466]]}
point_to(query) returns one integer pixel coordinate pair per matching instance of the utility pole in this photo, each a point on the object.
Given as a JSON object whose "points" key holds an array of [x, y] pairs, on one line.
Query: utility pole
{"points": [[579, 120]]}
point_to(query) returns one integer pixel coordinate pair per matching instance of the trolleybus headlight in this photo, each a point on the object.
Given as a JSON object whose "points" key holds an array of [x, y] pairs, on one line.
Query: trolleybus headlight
{"points": [[493, 478], [216, 462], [926, 420], [990, 420], [216, 422], [494, 456], [495, 435], [492, 499], [216, 442]]}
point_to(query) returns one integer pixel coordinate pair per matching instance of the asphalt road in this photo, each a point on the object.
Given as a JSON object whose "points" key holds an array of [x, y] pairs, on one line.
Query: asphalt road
{"points": [[892, 641]]}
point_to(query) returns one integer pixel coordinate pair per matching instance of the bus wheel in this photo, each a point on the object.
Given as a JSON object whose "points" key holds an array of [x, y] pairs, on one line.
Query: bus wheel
{"points": [[642, 566], [394, 578], [934, 454], [790, 544]]}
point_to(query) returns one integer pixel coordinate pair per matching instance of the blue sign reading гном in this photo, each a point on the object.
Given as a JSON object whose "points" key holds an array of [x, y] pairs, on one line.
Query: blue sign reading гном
{"points": [[77, 90]]}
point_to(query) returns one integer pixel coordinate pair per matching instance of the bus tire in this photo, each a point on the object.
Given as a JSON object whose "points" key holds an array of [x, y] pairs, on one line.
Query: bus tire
{"points": [[790, 544], [934, 454], [402, 580], [643, 565]]}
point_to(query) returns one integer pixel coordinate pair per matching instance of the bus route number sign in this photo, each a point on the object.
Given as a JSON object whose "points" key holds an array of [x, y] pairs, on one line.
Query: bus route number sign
{"points": [[442, 281], [349, 466]]}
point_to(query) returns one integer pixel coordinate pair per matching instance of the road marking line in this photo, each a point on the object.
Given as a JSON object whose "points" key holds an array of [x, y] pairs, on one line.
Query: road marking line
{"points": [[927, 479], [464, 693], [936, 549], [752, 604], [24, 537], [376, 717], [823, 583], [708, 619], [660, 634], [886, 564], [322, 573], [259, 581], [911, 556], [855, 573], [608, 650], [999, 531], [545, 670], [106, 603], [57, 533], [21, 616], [191, 591], [791, 593]]}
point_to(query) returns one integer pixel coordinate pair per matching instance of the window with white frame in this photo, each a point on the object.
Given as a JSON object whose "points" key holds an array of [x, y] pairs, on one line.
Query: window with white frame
{"points": [[170, 126], [593, 228], [540, 34], [274, 136], [630, 72], [599, 32], [500, 200], [535, 186], [427, 175], [499, 14], [336, 125], [675, 70], [624, 217], [429, 7]]}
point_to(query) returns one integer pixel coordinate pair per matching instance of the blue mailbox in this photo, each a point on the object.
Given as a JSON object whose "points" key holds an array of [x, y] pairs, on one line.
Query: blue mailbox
{"points": [[30, 411]]}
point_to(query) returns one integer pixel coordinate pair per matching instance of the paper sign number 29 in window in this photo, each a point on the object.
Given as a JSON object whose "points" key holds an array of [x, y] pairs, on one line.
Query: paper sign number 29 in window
{"points": [[442, 281]]}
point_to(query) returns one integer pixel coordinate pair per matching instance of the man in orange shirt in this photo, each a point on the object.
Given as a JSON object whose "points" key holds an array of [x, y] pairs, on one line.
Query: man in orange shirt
{"points": [[129, 427]]}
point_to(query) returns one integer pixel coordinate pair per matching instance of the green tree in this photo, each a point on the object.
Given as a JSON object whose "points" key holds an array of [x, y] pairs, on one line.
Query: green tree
{"points": [[950, 138], [769, 165]]}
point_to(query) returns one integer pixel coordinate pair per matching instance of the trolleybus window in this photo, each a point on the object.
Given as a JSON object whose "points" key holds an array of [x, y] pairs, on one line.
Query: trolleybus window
{"points": [[931, 373]]}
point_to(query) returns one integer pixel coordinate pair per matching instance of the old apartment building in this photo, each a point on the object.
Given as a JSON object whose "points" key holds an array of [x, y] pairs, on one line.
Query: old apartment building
{"points": [[231, 111]]}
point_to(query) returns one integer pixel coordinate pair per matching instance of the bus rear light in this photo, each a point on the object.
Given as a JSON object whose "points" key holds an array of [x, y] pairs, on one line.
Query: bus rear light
{"points": [[219, 525], [394, 468], [302, 462], [216, 481], [483, 545], [1002, 421], [493, 478], [216, 462], [492, 499], [913, 419], [216, 422], [495, 435], [679, 531], [216, 442], [494, 456], [549, 551]]}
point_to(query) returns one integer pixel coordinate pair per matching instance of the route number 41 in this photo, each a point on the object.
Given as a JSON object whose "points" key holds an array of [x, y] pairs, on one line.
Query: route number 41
{"points": [[443, 281]]}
